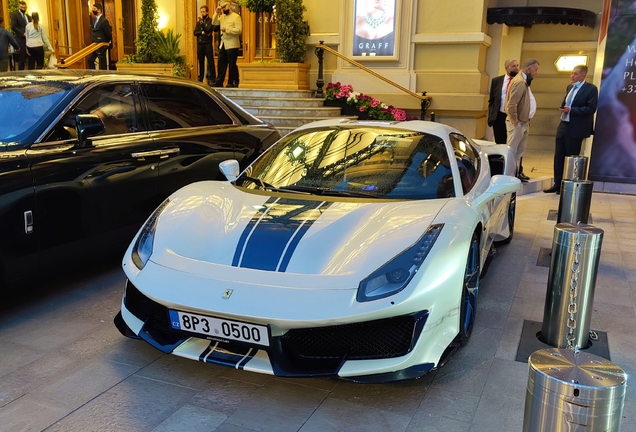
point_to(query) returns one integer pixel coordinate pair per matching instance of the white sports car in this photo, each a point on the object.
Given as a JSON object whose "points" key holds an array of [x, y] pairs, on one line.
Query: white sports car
{"points": [[349, 248]]}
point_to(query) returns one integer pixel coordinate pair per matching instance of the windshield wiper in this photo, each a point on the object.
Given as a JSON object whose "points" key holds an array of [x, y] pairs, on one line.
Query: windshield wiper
{"points": [[329, 192], [264, 185]]}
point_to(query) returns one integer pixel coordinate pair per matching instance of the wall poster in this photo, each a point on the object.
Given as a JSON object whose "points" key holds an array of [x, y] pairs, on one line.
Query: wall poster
{"points": [[374, 31], [613, 157]]}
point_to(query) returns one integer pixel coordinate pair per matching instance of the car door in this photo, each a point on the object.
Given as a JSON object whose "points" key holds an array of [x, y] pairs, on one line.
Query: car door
{"points": [[19, 245], [194, 133], [92, 196]]}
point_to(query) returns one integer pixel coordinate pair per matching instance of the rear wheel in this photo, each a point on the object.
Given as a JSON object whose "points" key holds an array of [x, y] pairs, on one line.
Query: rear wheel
{"points": [[469, 292], [512, 209]]}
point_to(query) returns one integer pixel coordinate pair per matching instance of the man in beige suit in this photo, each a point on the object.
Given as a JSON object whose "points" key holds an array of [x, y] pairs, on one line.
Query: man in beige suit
{"points": [[518, 108], [231, 27]]}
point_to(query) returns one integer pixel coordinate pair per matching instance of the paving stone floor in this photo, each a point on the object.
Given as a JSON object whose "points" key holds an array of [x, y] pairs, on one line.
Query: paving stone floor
{"points": [[64, 366]]}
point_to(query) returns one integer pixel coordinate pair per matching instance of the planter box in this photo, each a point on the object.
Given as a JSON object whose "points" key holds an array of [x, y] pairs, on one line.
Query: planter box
{"points": [[284, 76], [146, 68], [346, 109]]}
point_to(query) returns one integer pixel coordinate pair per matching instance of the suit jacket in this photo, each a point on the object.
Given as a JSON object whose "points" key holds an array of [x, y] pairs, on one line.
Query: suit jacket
{"points": [[582, 111], [6, 39], [18, 25], [102, 31], [494, 103], [518, 100]]}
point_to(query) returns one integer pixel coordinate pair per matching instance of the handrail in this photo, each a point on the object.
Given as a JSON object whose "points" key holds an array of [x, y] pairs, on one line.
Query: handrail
{"points": [[75, 57], [320, 47]]}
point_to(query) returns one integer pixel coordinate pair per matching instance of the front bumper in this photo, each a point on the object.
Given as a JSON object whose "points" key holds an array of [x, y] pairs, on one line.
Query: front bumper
{"points": [[371, 351]]}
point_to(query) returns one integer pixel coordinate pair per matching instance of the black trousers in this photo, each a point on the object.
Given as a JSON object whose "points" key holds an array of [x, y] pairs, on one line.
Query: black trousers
{"points": [[565, 145], [22, 55], [36, 57], [101, 54], [227, 57], [204, 51], [499, 128]]}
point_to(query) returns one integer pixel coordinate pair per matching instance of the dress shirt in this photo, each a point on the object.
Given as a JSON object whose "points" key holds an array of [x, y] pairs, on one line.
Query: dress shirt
{"points": [[569, 98], [533, 104], [504, 89]]}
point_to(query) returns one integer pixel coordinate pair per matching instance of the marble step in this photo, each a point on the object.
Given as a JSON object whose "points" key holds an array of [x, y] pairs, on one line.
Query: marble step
{"points": [[292, 111], [295, 121], [260, 101], [238, 92]]}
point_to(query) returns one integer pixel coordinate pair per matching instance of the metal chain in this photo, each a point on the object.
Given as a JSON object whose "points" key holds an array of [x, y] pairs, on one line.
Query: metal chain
{"points": [[576, 172], [574, 281]]}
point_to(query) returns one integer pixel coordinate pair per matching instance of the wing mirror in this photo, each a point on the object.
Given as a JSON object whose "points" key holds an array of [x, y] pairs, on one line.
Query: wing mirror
{"points": [[499, 185], [88, 125], [230, 169]]}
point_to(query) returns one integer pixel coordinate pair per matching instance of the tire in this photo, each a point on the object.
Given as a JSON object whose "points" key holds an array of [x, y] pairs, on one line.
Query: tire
{"points": [[512, 210], [470, 288]]}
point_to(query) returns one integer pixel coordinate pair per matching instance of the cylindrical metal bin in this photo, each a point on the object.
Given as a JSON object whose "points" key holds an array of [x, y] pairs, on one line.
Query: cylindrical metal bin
{"points": [[575, 201], [575, 168], [573, 392], [576, 251]]}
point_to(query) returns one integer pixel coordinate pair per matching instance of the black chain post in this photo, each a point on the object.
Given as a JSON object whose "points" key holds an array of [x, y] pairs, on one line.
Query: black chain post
{"points": [[320, 82]]}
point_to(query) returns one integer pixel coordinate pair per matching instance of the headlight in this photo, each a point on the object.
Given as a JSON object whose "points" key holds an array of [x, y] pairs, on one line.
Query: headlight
{"points": [[393, 276], [143, 246]]}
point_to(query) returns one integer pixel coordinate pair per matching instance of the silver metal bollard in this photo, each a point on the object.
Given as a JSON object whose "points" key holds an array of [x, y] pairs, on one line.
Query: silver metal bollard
{"points": [[574, 392], [576, 251], [575, 201], [575, 168]]}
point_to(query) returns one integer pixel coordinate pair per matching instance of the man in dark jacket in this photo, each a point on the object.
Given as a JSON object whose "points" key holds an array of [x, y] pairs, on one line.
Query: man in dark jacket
{"points": [[6, 39], [577, 121], [498, 90], [101, 32], [203, 32], [19, 20]]}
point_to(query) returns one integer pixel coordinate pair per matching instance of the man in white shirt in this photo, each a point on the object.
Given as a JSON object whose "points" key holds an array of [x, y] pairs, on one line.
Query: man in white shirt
{"points": [[231, 27]]}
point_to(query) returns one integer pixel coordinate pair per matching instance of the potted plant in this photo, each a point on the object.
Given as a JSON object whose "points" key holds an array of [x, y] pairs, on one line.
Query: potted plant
{"points": [[289, 71], [157, 53]]}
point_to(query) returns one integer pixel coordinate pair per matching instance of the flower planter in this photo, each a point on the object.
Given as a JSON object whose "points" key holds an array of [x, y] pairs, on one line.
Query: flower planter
{"points": [[285, 76], [146, 68], [346, 109]]}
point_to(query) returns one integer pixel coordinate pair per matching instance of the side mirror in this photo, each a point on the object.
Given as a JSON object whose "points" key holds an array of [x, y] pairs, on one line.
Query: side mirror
{"points": [[230, 169], [88, 125], [499, 185]]}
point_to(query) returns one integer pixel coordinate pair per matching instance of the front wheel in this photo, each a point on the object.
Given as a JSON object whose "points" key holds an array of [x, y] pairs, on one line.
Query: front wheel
{"points": [[470, 289]]}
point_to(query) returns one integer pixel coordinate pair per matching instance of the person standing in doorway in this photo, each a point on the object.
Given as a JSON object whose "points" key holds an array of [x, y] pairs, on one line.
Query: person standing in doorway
{"points": [[101, 32], [19, 20], [35, 41], [518, 109], [6, 40], [577, 121], [231, 27], [203, 33]]}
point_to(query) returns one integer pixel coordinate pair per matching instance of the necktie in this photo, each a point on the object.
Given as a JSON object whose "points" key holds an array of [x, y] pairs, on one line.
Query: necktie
{"points": [[95, 25], [508, 85], [25, 18], [568, 99]]}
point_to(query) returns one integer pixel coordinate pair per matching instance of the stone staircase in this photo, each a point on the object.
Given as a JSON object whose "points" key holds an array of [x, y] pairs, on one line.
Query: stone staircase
{"points": [[284, 109]]}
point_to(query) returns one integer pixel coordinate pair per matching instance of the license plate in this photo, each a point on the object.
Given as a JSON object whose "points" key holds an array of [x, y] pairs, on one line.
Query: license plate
{"points": [[219, 328]]}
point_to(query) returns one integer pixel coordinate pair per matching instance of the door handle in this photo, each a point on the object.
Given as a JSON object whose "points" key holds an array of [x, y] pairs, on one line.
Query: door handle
{"points": [[28, 222], [146, 154], [167, 152]]}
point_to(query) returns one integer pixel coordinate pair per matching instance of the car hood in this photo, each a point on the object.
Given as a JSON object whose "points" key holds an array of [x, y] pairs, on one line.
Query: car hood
{"points": [[218, 223]]}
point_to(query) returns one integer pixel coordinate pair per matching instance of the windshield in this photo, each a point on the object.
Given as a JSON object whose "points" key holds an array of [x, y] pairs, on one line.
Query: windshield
{"points": [[23, 104], [355, 161]]}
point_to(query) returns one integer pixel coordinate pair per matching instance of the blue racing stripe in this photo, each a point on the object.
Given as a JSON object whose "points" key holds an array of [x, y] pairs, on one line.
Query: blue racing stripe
{"points": [[277, 233], [248, 229]]}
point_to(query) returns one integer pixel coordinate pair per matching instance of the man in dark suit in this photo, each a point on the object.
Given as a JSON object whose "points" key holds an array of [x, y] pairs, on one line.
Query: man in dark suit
{"points": [[498, 89], [577, 121], [101, 32], [19, 20]]}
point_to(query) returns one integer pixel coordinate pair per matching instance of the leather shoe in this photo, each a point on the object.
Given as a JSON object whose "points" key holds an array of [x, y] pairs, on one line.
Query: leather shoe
{"points": [[553, 189], [521, 176]]}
